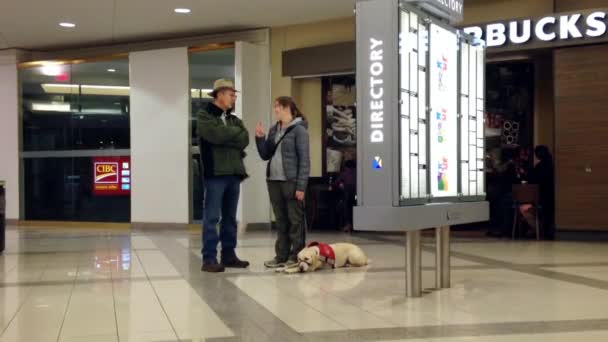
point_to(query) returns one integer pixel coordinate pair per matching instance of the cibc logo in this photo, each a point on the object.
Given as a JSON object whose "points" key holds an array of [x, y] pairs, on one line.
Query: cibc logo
{"points": [[106, 173]]}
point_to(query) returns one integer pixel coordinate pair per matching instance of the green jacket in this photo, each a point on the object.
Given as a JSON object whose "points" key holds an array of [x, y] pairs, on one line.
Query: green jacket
{"points": [[222, 144]]}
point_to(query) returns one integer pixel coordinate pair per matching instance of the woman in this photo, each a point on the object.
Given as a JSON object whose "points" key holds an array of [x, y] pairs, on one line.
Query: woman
{"points": [[287, 151], [542, 175]]}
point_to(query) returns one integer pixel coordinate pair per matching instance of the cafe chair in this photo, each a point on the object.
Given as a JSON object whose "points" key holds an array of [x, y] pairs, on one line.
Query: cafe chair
{"points": [[526, 194]]}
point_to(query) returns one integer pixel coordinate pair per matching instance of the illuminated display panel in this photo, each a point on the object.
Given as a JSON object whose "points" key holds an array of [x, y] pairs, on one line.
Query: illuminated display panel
{"points": [[443, 122], [441, 111]]}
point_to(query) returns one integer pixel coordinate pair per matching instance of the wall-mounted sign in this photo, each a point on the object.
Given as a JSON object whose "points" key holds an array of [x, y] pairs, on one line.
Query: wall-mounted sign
{"points": [[111, 176], [451, 10], [562, 29]]}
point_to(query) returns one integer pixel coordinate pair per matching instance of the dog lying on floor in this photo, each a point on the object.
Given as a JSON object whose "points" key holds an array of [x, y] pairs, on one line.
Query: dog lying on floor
{"points": [[317, 255]]}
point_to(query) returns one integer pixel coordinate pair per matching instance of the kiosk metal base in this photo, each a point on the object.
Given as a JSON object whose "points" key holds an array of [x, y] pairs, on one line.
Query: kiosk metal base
{"points": [[413, 258]]}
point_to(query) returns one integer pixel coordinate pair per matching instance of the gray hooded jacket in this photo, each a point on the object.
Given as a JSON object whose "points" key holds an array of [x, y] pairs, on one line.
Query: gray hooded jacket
{"points": [[291, 161]]}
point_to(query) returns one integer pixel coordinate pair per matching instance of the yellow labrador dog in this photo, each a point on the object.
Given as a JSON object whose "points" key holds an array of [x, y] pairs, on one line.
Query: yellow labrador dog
{"points": [[317, 255]]}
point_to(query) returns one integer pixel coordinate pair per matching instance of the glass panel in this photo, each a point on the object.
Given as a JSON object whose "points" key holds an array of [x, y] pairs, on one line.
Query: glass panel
{"points": [[472, 140], [480, 183], [464, 127], [414, 112], [76, 107], [464, 169], [63, 189], [473, 156], [422, 112], [464, 63], [480, 72], [480, 127], [422, 45], [414, 72], [404, 50], [443, 118], [423, 183], [422, 142], [415, 177], [472, 86], [405, 158], [84, 107], [405, 104], [414, 143], [414, 20]]}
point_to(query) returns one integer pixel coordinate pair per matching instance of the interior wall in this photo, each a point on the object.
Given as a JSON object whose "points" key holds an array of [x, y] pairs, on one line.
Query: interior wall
{"points": [[10, 131], [573, 5], [252, 65], [481, 11], [307, 92], [160, 136], [581, 80]]}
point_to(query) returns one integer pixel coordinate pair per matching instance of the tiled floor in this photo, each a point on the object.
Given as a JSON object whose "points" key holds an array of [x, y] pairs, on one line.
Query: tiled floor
{"points": [[82, 285]]}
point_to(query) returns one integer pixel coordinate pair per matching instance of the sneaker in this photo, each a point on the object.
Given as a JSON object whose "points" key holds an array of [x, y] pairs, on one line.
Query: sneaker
{"points": [[274, 263], [235, 262], [291, 263], [212, 267]]}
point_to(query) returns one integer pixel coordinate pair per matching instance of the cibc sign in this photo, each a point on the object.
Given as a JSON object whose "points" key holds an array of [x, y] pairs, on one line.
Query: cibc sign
{"points": [[562, 29]]}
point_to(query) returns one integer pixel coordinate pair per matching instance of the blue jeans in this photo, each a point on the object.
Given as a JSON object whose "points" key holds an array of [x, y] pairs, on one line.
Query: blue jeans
{"points": [[221, 201]]}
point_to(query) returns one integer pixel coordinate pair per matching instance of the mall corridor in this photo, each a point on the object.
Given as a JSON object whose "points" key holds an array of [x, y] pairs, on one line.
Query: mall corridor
{"points": [[459, 146], [119, 285]]}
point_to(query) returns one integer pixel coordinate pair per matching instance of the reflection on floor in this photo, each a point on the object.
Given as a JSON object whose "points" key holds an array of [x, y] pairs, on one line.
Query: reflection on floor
{"points": [[108, 285]]}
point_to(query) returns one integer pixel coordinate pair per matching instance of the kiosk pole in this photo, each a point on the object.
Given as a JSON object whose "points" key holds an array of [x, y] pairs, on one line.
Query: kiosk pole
{"points": [[442, 257], [413, 269]]}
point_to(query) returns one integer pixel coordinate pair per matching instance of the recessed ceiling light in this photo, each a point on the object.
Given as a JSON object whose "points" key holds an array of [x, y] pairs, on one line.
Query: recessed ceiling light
{"points": [[111, 70], [67, 25], [51, 69], [182, 10]]}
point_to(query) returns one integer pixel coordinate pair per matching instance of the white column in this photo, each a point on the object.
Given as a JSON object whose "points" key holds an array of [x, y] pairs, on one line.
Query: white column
{"points": [[254, 104], [160, 136], [10, 131]]}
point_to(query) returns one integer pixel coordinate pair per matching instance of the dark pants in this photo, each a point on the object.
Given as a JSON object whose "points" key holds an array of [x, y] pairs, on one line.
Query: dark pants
{"points": [[289, 214], [502, 215], [221, 201]]}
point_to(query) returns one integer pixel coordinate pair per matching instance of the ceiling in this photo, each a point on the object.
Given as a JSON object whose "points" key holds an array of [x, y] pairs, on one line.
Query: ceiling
{"points": [[33, 24]]}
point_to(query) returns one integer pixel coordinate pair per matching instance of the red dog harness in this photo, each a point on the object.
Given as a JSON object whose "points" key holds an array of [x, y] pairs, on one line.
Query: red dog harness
{"points": [[326, 253]]}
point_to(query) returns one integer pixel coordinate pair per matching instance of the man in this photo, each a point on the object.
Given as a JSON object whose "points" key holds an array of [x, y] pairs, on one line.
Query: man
{"points": [[223, 139]]}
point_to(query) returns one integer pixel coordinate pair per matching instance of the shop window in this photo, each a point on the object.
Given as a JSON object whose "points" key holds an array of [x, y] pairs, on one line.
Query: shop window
{"points": [[76, 141], [339, 122]]}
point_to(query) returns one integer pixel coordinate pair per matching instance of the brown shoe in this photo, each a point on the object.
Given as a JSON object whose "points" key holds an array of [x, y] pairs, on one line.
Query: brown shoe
{"points": [[235, 262], [213, 267]]}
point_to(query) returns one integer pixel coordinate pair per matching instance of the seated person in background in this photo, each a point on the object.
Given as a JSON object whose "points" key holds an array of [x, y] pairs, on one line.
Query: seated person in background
{"points": [[543, 175], [346, 184]]}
